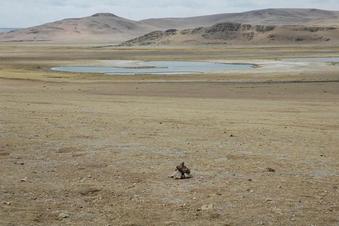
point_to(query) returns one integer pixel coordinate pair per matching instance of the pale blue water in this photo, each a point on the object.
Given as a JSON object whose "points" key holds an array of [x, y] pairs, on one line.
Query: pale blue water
{"points": [[7, 29], [315, 59], [159, 67]]}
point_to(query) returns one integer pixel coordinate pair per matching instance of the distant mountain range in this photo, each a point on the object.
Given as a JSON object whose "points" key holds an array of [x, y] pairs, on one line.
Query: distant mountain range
{"points": [[253, 27], [263, 17]]}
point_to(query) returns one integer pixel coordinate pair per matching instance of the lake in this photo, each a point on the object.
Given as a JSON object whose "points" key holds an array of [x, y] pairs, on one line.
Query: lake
{"points": [[157, 67]]}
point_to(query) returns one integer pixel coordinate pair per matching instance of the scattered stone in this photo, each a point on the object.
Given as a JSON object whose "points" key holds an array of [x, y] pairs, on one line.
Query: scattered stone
{"points": [[89, 191], [271, 170], [82, 180], [182, 205], [24, 179], [206, 207], [7, 203], [268, 200], [250, 180], [231, 135], [277, 211], [63, 216], [132, 186], [181, 172]]}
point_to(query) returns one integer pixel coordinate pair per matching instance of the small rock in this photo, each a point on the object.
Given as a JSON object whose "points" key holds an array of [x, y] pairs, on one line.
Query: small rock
{"points": [[231, 135], [207, 207], [132, 186], [24, 179], [7, 203], [271, 170], [268, 200], [182, 205], [82, 180], [89, 191], [63, 215], [277, 210]]}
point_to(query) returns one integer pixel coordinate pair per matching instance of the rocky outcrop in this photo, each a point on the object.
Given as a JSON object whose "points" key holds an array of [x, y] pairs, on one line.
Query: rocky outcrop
{"points": [[150, 38], [237, 33]]}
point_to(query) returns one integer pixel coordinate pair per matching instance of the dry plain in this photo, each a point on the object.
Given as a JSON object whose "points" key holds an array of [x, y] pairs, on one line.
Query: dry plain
{"points": [[91, 149]]}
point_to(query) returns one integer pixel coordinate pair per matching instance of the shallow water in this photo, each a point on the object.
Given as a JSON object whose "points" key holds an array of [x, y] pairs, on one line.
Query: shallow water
{"points": [[6, 29], [315, 59], [157, 67]]}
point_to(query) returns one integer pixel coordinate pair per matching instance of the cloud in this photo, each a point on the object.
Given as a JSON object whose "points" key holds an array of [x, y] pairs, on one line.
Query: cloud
{"points": [[19, 13]]}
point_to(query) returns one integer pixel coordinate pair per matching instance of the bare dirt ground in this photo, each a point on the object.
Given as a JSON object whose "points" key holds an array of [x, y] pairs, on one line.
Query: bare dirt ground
{"points": [[97, 150]]}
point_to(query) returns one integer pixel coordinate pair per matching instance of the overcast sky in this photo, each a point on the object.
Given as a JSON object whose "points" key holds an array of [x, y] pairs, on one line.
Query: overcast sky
{"points": [[24, 13]]}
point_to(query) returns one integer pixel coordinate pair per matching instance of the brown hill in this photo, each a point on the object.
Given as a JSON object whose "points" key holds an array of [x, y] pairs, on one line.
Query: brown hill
{"points": [[101, 27], [236, 33], [265, 16]]}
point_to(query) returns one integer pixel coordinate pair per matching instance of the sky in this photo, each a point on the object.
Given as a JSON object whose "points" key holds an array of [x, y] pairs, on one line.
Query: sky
{"points": [[25, 13]]}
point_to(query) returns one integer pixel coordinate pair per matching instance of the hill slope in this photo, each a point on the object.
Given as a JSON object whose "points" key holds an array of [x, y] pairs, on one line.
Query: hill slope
{"points": [[236, 33], [97, 28], [265, 16]]}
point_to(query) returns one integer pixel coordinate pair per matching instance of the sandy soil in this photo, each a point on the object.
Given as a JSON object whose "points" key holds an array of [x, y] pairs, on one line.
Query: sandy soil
{"points": [[97, 150]]}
